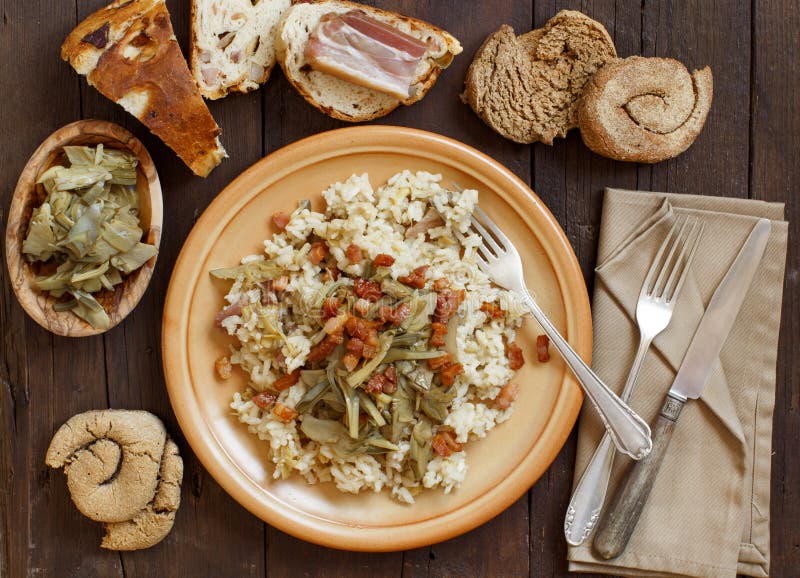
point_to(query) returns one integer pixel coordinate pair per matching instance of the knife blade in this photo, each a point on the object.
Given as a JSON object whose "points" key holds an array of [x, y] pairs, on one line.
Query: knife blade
{"points": [[719, 315], [616, 527]]}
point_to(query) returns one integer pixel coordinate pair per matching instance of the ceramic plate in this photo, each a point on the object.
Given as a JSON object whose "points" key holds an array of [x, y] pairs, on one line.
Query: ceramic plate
{"points": [[502, 466]]}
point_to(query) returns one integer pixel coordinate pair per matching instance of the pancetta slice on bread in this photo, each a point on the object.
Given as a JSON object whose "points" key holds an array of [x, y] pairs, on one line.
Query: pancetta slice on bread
{"points": [[129, 53], [342, 95], [233, 43]]}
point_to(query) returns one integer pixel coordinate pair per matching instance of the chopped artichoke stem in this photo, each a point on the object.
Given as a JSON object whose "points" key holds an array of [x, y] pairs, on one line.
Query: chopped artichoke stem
{"points": [[65, 305], [106, 283], [371, 410], [64, 221], [82, 156], [357, 377], [89, 274], [97, 319], [397, 354], [135, 258], [383, 443]]}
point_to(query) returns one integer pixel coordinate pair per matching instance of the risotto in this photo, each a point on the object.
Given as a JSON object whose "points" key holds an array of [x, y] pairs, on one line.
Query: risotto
{"points": [[374, 345]]}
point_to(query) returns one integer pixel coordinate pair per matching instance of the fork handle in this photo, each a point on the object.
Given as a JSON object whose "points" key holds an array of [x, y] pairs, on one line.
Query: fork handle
{"points": [[589, 494], [629, 432]]}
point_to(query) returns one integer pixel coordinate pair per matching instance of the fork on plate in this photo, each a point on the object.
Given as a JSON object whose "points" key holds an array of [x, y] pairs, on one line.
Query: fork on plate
{"points": [[660, 290], [499, 259]]}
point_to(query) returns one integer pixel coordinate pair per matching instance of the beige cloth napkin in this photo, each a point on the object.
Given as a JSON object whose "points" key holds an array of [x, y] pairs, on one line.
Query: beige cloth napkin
{"points": [[708, 513]]}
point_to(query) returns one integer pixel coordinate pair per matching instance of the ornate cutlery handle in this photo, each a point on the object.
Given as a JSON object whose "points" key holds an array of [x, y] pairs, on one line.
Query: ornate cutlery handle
{"points": [[616, 527], [589, 495], [629, 432]]}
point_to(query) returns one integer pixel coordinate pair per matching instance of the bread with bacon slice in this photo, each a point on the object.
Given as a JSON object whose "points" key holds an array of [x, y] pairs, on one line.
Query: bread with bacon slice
{"points": [[129, 53], [341, 98]]}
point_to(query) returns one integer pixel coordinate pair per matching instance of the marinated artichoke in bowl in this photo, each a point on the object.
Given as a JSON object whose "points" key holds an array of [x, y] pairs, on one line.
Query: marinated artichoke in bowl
{"points": [[87, 232]]}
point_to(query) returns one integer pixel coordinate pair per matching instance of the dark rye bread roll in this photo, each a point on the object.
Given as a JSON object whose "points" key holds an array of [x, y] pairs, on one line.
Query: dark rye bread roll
{"points": [[526, 88], [644, 110]]}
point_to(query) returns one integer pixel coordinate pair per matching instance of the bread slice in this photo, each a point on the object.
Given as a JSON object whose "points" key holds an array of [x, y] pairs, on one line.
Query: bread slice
{"points": [[233, 43], [342, 99], [128, 52], [644, 110], [527, 88]]}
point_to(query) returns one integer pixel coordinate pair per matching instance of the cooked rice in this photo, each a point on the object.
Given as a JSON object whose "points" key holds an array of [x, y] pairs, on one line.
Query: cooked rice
{"points": [[375, 220]]}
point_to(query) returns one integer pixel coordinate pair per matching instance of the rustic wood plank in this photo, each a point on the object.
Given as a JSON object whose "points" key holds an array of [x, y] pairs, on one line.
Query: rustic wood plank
{"points": [[441, 112], [288, 118], [59, 378], [570, 179], [715, 34], [45, 380], [212, 535], [775, 174], [498, 547]]}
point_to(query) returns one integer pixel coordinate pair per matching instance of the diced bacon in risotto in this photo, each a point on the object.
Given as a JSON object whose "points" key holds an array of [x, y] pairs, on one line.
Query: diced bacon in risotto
{"points": [[317, 252], [416, 278], [353, 253], [283, 412], [383, 260], [280, 219]]}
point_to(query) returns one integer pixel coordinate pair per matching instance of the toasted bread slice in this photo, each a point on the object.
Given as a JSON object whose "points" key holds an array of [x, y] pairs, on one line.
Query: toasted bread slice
{"points": [[128, 52], [342, 99], [527, 87], [233, 44]]}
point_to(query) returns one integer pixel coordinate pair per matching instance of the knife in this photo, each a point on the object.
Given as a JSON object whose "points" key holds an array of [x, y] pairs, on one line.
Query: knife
{"points": [[616, 527]]}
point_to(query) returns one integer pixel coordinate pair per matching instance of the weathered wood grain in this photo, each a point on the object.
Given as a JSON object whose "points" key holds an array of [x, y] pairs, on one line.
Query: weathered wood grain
{"points": [[748, 147], [774, 176], [570, 179], [715, 34]]}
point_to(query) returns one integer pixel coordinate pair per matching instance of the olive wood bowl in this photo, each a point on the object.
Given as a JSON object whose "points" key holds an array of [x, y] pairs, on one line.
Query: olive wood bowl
{"points": [[28, 195]]}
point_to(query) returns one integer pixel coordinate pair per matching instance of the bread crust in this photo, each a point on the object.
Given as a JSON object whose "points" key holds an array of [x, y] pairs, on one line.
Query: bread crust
{"points": [[527, 87], [137, 63], [644, 110], [423, 85]]}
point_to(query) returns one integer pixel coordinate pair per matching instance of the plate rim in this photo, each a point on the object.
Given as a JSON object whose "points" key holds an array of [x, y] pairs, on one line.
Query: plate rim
{"points": [[307, 526]]}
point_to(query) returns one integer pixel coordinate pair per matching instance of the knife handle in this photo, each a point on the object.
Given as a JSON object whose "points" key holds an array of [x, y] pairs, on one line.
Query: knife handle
{"points": [[616, 527]]}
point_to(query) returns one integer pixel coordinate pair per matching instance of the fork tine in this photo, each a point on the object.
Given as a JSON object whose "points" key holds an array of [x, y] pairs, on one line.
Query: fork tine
{"points": [[691, 244], [496, 231], [479, 250], [659, 287], [487, 238], [656, 266], [675, 266], [484, 253]]}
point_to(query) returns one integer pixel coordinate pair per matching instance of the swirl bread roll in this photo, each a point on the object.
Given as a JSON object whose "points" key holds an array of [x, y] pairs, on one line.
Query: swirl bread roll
{"points": [[123, 470], [644, 110]]}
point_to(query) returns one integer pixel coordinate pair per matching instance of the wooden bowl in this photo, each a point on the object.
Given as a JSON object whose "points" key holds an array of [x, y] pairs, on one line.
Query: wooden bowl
{"points": [[28, 195]]}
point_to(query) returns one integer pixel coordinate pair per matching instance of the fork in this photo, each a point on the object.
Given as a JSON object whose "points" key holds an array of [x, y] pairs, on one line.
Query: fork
{"points": [[500, 260], [660, 290]]}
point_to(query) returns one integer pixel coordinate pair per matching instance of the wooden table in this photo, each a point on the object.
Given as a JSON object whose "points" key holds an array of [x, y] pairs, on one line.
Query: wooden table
{"points": [[749, 148]]}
